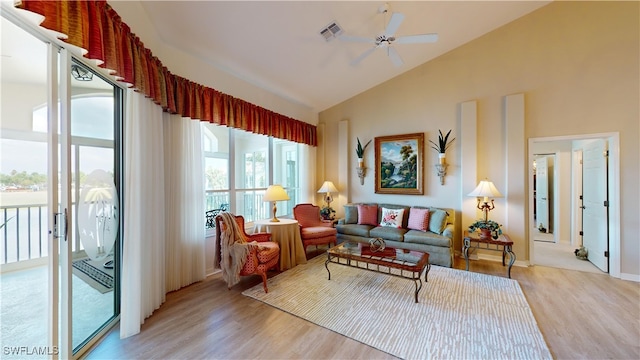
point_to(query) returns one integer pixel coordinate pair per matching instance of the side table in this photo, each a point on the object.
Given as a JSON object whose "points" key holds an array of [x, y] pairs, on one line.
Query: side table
{"points": [[286, 233], [503, 244]]}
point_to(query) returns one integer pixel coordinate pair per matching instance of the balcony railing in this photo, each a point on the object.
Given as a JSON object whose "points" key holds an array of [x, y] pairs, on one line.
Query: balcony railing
{"points": [[25, 231], [24, 234]]}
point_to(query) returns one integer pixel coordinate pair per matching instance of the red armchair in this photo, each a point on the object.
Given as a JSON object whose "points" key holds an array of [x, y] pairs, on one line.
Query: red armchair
{"points": [[260, 259], [313, 230]]}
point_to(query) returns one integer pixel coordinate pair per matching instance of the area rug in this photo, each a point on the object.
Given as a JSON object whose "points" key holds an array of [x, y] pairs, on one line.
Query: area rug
{"points": [[461, 315], [94, 273]]}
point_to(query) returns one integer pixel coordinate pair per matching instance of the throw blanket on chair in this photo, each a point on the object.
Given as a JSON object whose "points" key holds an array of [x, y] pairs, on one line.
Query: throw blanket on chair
{"points": [[234, 249]]}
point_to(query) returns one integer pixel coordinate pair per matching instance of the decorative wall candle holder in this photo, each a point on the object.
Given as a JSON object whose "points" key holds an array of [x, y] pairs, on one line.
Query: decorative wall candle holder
{"points": [[361, 174], [442, 171]]}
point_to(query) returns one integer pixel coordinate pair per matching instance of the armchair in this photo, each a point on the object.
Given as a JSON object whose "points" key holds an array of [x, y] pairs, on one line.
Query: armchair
{"points": [[313, 230], [261, 257]]}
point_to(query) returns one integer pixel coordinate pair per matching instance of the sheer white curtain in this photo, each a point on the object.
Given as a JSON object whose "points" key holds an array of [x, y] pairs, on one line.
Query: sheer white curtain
{"points": [[184, 201], [143, 256], [164, 236]]}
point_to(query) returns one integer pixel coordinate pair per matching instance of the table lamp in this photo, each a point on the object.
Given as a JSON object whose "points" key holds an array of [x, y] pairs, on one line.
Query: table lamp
{"points": [[328, 188], [485, 189], [275, 193]]}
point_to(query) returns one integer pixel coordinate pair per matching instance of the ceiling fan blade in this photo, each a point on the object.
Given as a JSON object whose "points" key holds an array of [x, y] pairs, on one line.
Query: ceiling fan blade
{"points": [[356, 39], [394, 24], [357, 60], [394, 56], [417, 39]]}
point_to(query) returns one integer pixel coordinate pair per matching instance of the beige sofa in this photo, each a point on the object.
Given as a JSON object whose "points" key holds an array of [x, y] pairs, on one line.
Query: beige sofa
{"points": [[438, 245]]}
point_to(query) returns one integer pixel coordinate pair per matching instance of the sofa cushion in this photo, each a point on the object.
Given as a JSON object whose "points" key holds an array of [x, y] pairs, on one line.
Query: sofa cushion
{"points": [[391, 217], [354, 229], [395, 207], [350, 214], [387, 233], [437, 220], [428, 238], [418, 219], [368, 215]]}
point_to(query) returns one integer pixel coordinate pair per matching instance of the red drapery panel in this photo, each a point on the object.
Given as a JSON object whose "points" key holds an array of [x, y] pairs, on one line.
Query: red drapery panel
{"points": [[97, 28]]}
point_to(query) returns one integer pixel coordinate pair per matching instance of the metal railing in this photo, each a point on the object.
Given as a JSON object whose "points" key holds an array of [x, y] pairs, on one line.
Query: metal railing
{"points": [[24, 234]]}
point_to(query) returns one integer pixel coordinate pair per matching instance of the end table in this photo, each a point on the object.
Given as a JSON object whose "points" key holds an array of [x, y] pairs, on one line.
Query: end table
{"points": [[503, 244]]}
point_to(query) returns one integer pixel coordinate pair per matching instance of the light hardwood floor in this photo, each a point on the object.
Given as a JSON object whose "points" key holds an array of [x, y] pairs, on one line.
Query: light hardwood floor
{"points": [[581, 315]]}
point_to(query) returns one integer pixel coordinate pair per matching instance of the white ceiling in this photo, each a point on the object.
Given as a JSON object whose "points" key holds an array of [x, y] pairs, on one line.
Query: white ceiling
{"points": [[276, 45]]}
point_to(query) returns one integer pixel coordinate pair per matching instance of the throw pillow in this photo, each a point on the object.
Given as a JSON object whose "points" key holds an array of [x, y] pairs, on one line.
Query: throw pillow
{"points": [[368, 215], [350, 214], [391, 217], [437, 220], [418, 219]]}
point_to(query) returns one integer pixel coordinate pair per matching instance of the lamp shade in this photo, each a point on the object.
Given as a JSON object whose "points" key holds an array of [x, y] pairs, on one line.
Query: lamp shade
{"points": [[328, 187], [275, 193], [486, 189]]}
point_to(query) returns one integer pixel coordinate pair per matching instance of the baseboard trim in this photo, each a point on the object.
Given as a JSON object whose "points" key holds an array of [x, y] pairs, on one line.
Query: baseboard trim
{"points": [[630, 277]]}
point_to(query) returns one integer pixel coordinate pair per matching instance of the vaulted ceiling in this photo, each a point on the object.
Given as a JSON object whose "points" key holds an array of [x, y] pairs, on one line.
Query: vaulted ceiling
{"points": [[277, 44]]}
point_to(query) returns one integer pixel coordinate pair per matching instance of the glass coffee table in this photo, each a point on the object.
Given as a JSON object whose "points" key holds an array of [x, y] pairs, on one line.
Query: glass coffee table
{"points": [[395, 262]]}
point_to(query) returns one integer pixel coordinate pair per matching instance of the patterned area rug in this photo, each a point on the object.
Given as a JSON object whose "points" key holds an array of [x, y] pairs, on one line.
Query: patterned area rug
{"points": [[461, 315], [94, 273]]}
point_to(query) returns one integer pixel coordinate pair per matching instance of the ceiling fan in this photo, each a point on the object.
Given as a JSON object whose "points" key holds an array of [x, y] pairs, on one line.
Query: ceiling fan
{"points": [[387, 39]]}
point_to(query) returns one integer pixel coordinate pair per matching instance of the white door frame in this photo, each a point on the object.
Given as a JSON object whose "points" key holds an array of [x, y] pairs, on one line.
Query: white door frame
{"points": [[613, 139]]}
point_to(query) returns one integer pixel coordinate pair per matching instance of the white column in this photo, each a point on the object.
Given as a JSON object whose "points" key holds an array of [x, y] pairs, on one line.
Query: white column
{"points": [[516, 175], [343, 168], [468, 166]]}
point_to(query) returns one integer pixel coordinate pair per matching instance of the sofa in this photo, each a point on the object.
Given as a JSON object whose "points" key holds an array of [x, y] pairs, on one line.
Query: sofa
{"points": [[415, 230]]}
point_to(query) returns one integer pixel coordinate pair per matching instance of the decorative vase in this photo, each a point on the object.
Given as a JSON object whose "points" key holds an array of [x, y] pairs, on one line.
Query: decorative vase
{"points": [[485, 234], [360, 162], [441, 158]]}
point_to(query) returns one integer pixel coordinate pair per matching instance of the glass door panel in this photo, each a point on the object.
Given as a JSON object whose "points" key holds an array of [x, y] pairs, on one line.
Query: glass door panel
{"points": [[96, 209], [27, 308]]}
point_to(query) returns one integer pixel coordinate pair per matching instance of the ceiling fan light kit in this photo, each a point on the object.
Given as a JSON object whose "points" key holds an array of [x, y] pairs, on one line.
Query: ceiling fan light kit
{"points": [[387, 39]]}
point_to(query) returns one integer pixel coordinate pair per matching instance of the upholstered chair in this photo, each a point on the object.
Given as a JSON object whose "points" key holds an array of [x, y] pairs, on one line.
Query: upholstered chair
{"points": [[313, 230], [260, 259]]}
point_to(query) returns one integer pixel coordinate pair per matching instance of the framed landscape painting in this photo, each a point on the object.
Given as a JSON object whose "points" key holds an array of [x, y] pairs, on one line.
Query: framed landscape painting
{"points": [[399, 161]]}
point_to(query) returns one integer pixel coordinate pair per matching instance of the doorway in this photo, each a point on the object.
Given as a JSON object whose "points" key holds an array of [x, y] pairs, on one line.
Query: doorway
{"points": [[61, 124], [556, 247]]}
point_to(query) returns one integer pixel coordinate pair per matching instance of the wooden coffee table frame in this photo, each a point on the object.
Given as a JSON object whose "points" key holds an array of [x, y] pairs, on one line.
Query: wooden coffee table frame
{"points": [[389, 265]]}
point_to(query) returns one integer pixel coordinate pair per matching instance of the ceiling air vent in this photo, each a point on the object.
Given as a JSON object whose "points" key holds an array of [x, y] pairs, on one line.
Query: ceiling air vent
{"points": [[331, 31]]}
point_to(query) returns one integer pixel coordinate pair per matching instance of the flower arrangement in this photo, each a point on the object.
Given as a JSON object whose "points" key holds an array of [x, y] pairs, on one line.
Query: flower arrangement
{"points": [[490, 226], [360, 149], [443, 142], [327, 213]]}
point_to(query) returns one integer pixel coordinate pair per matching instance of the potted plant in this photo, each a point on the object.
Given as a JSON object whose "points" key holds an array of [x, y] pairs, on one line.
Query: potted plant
{"points": [[488, 229], [327, 213], [442, 145], [360, 152]]}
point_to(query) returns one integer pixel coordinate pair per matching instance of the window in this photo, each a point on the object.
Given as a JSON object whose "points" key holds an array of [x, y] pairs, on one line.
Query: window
{"points": [[239, 166]]}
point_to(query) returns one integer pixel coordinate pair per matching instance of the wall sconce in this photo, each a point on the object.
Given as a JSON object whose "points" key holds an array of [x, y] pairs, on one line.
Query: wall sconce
{"points": [[442, 170], [362, 171], [441, 147]]}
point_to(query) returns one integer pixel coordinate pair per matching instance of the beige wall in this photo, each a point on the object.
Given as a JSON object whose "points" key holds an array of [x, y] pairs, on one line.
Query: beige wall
{"points": [[577, 64]]}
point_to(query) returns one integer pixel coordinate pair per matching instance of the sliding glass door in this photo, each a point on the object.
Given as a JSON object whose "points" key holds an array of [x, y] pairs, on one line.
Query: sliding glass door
{"points": [[60, 199], [95, 116]]}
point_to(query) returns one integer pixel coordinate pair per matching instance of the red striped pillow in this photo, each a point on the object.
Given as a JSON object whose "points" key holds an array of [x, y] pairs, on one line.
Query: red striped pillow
{"points": [[368, 215], [418, 219]]}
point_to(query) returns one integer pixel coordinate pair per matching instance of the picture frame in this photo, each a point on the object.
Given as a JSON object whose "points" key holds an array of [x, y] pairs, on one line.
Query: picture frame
{"points": [[399, 164]]}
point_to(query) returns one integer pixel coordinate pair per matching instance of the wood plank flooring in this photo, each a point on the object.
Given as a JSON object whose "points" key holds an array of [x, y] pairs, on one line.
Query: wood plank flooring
{"points": [[581, 315]]}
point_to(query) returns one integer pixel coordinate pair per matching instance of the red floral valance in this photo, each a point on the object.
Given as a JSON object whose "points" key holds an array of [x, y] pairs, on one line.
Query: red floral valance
{"points": [[97, 28]]}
